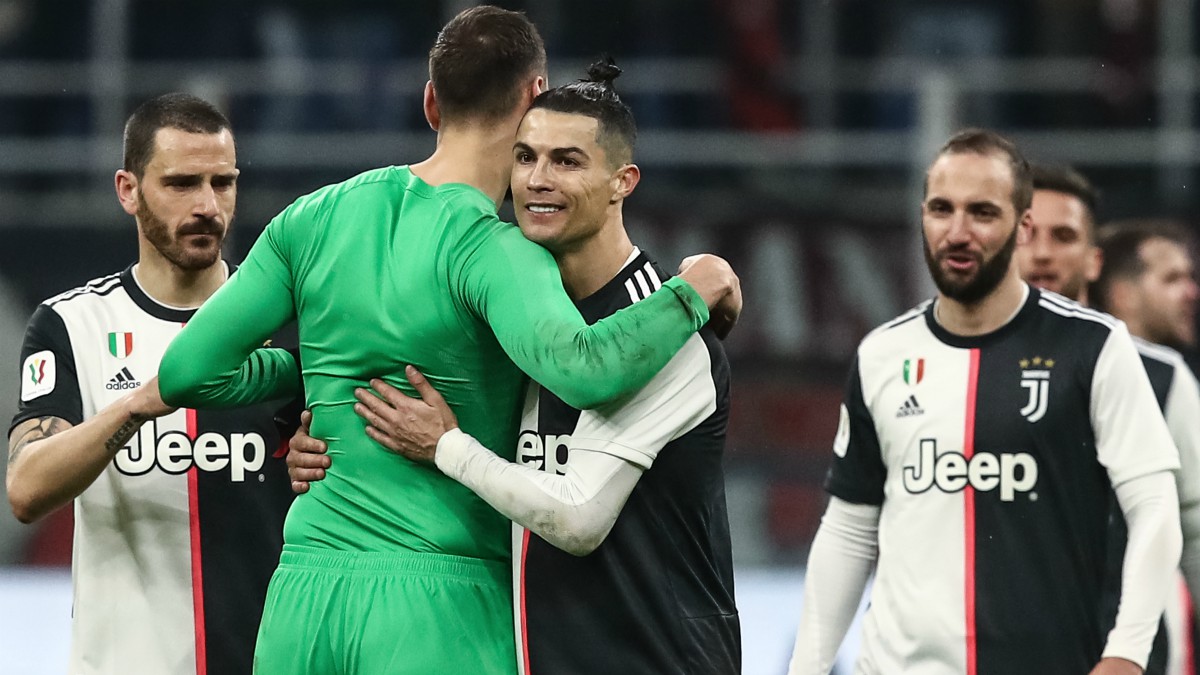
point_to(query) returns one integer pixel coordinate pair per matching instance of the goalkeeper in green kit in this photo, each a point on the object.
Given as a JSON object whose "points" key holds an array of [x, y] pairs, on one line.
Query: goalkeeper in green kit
{"points": [[389, 566]]}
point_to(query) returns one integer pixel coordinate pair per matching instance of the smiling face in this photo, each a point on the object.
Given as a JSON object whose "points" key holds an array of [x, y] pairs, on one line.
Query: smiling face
{"points": [[970, 224], [184, 200], [1060, 255], [562, 182]]}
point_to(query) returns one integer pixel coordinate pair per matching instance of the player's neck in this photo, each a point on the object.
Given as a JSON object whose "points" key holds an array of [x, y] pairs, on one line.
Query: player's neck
{"points": [[477, 156], [987, 315], [169, 285], [589, 267]]}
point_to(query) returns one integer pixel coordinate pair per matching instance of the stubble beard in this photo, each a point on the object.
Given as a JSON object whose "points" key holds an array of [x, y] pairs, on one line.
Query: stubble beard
{"points": [[187, 258]]}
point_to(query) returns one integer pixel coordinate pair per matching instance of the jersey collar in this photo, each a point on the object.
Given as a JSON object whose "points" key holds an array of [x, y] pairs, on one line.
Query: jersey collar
{"points": [[978, 341], [155, 308]]}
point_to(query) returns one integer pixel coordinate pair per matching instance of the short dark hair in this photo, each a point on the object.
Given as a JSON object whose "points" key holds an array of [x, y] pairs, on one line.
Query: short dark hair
{"points": [[1068, 181], [1120, 243], [168, 111], [987, 142], [595, 97], [480, 60]]}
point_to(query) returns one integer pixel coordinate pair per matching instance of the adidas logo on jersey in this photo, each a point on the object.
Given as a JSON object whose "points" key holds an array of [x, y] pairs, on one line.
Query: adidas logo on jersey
{"points": [[910, 408], [123, 380]]}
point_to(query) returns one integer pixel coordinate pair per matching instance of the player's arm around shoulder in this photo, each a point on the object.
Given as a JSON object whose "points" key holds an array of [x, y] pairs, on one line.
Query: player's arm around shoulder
{"points": [[51, 461]]}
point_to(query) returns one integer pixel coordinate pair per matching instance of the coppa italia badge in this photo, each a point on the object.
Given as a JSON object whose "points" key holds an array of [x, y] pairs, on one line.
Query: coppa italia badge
{"points": [[120, 345], [914, 371]]}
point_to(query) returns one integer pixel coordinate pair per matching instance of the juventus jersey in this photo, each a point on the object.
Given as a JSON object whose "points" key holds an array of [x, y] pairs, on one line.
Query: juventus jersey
{"points": [[993, 458], [656, 597], [1178, 396], [176, 540]]}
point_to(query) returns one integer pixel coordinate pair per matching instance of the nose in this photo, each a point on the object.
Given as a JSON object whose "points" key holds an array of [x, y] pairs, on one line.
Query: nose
{"points": [[206, 201], [539, 176], [960, 230]]}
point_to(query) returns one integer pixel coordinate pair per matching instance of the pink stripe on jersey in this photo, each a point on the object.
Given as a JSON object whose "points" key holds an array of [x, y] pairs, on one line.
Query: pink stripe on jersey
{"points": [[197, 571], [524, 623], [1189, 630], [969, 516]]}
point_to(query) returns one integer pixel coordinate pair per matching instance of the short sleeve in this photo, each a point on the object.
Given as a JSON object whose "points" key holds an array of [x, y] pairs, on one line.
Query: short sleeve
{"points": [[858, 473], [49, 380]]}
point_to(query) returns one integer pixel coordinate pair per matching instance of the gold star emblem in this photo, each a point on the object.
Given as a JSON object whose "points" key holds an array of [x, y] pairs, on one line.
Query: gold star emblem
{"points": [[1024, 363], [1049, 363], [1037, 360]]}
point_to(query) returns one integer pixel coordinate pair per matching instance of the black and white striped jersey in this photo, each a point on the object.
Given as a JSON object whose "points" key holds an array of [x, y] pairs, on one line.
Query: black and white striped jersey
{"points": [[176, 540], [1178, 395], [656, 597], [993, 459]]}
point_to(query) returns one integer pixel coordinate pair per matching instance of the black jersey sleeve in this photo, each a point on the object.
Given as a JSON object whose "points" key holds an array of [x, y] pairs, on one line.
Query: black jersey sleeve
{"points": [[49, 381], [858, 473]]}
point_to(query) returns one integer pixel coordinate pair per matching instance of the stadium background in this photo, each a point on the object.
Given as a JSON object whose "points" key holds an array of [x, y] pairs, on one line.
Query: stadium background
{"points": [[787, 135]]}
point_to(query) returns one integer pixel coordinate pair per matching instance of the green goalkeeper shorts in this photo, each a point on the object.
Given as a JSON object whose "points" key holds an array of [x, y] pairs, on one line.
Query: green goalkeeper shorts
{"points": [[340, 613]]}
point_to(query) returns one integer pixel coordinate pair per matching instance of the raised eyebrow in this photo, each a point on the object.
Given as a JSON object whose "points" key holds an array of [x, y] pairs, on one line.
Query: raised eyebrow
{"points": [[521, 146]]}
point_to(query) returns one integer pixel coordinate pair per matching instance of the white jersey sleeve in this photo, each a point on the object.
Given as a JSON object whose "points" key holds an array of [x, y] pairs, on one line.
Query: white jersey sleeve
{"points": [[609, 450], [1132, 438], [680, 397], [1183, 419]]}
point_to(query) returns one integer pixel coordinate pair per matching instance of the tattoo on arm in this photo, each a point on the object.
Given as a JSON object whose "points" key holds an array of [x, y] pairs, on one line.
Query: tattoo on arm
{"points": [[122, 435], [45, 427]]}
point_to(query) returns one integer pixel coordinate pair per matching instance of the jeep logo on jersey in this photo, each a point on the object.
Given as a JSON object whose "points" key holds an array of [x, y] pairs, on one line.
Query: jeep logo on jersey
{"points": [[952, 472], [174, 453], [1038, 384], [548, 453]]}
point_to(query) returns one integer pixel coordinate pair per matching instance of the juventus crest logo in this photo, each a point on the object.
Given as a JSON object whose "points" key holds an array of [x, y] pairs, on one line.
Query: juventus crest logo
{"points": [[1037, 380]]}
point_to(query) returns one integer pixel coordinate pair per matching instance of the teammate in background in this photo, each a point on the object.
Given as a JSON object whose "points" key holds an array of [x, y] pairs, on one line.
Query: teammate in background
{"points": [[178, 513], [1147, 282], [411, 265], [980, 440], [1062, 256], [664, 568]]}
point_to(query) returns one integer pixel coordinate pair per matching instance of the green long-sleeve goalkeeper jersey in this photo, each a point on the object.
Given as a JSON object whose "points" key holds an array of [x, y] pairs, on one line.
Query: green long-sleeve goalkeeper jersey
{"points": [[385, 270]]}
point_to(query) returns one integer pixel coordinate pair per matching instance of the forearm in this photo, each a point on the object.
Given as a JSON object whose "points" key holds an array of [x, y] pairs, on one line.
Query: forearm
{"points": [[51, 462], [839, 565], [573, 512], [217, 359], [1151, 511], [214, 378], [591, 365]]}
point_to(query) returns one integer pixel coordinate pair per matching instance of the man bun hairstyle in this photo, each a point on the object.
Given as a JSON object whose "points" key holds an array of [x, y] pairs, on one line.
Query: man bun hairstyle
{"points": [[168, 111], [596, 97]]}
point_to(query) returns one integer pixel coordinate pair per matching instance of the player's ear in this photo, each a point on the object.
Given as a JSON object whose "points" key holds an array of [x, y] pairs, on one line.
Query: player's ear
{"points": [[624, 181], [432, 114], [127, 190], [1025, 228]]}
